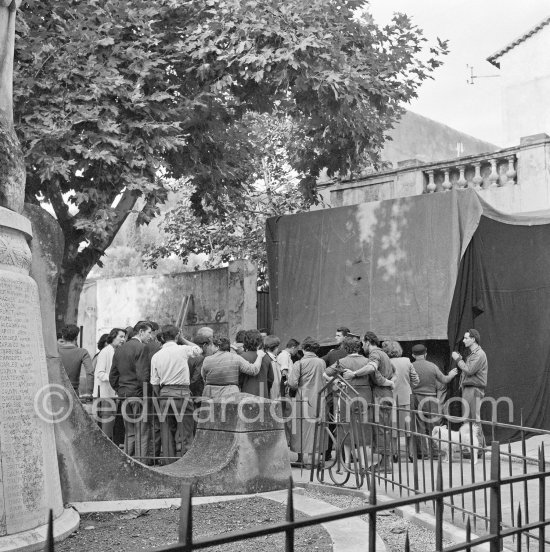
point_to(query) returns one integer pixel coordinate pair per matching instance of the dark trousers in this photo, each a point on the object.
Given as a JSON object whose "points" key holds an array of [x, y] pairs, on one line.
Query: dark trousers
{"points": [[136, 442], [329, 413], [425, 420], [383, 425]]}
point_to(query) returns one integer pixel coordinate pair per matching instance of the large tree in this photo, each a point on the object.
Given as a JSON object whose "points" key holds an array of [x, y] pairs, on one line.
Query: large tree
{"points": [[112, 96], [234, 227]]}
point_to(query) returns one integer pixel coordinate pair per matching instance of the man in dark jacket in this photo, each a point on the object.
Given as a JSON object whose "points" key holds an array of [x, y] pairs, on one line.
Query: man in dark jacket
{"points": [[124, 380], [338, 352], [424, 399], [143, 370], [330, 358]]}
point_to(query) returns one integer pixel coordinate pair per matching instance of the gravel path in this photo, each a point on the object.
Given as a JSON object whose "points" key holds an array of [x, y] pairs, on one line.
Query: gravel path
{"points": [[147, 529], [391, 528]]}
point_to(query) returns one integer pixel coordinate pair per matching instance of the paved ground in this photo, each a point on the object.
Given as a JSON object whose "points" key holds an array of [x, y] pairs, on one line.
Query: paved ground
{"points": [[458, 472]]}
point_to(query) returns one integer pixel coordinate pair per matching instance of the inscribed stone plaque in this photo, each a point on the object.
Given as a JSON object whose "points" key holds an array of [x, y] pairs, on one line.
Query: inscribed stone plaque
{"points": [[29, 479]]}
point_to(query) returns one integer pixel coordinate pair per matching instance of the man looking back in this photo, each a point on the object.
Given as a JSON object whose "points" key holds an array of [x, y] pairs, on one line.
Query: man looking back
{"points": [[124, 380]]}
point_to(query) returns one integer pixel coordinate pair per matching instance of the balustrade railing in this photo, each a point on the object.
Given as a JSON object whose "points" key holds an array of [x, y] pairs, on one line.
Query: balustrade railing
{"points": [[490, 171]]}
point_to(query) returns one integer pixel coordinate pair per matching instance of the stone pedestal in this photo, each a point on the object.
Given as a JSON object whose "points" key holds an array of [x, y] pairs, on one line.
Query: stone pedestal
{"points": [[29, 475]]}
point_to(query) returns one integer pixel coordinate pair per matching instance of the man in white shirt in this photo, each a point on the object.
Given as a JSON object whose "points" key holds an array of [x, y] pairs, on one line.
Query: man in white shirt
{"points": [[170, 381], [284, 358]]}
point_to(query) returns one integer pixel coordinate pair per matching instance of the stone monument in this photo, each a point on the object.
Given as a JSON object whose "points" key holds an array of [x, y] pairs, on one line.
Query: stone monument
{"points": [[29, 474]]}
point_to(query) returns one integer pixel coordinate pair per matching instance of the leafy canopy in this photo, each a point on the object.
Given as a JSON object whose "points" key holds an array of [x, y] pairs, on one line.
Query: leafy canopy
{"points": [[235, 229], [111, 94]]}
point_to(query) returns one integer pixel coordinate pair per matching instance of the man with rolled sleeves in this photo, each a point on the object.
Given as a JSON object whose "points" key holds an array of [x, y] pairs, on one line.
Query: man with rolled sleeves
{"points": [[473, 378]]}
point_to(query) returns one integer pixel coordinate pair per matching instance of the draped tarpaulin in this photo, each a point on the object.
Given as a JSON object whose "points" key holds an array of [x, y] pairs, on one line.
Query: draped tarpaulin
{"points": [[503, 291], [418, 268], [387, 266]]}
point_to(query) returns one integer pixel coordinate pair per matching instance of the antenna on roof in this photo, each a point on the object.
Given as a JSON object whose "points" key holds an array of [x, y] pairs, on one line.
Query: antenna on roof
{"points": [[470, 80]]}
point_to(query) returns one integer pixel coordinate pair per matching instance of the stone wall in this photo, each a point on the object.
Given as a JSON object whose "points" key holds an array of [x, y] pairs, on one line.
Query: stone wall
{"points": [[224, 299]]}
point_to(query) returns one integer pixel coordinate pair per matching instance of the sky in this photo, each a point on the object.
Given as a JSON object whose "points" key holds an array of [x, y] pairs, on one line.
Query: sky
{"points": [[475, 30]]}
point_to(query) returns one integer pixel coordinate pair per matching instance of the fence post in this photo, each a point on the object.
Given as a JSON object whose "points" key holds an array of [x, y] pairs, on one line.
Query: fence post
{"points": [[407, 543], [185, 529], [414, 442], [525, 485], [289, 533], [495, 498], [439, 509], [542, 495], [518, 544], [49, 537], [468, 535], [372, 515]]}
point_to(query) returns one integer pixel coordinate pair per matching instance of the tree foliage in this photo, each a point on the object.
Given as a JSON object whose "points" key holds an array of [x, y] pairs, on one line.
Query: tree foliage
{"points": [[235, 229], [110, 95]]}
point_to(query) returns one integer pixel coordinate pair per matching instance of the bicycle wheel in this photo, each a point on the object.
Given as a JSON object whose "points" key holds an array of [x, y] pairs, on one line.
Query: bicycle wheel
{"points": [[339, 471]]}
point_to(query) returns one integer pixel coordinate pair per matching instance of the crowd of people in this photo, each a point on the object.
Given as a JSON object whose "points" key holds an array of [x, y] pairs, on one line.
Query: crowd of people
{"points": [[148, 361]]}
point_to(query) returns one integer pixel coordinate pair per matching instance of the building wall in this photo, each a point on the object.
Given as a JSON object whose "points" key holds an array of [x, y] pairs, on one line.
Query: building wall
{"points": [[418, 137], [224, 299], [520, 182], [414, 140], [525, 76]]}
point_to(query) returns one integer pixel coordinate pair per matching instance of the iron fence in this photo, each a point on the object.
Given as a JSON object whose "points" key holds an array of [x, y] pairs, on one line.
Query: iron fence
{"points": [[439, 497], [414, 467], [414, 478]]}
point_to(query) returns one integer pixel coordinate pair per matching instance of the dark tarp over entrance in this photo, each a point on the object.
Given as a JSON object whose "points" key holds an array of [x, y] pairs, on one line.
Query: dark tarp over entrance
{"points": [[392, 266], [503, 290]]}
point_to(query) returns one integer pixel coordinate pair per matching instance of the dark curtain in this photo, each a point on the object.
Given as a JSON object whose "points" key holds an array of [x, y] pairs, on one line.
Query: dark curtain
{"points": [[503, 290], [387, 266]]}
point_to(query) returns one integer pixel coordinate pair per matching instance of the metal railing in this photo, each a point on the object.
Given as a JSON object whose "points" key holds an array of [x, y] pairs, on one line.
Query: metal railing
{"points": [[440, 498], [414, 469]]}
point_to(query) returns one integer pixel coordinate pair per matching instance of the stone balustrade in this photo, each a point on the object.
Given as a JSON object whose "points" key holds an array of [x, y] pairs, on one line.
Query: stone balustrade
{"points": [[479, 172], [515, 179]]}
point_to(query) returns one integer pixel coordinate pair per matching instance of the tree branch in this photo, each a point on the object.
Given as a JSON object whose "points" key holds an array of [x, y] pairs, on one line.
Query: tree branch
{"points": [[122, 210], [60, 208]]}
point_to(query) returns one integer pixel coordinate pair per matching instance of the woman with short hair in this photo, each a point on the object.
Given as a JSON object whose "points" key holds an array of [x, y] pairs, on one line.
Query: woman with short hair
{"points": [[102, 387]]}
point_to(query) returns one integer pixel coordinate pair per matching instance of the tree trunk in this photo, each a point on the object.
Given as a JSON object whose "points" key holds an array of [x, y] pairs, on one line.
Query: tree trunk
{"points": [[74, 269], [69, 288], [77, 263]]}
